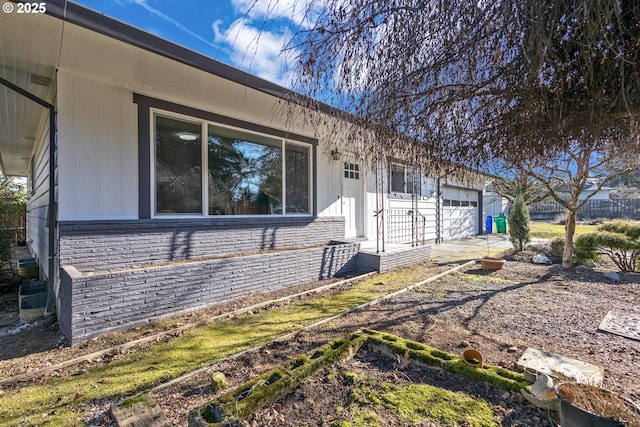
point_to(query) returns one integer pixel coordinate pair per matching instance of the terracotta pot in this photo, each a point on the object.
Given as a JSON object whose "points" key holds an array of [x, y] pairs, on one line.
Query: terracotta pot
{"points": [[489, 263], [473, 358]]}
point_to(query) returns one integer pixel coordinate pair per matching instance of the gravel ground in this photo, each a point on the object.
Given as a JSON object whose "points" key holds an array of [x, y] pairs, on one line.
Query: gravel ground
{"points": [[499, 313]]}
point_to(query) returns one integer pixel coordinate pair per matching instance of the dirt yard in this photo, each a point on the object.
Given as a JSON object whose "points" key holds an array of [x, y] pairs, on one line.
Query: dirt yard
{"points": [[499, 313]]}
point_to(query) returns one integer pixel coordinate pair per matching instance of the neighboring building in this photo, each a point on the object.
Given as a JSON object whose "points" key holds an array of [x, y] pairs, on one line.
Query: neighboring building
{"points": [[494, 204], [604, 193], [123, 221]]}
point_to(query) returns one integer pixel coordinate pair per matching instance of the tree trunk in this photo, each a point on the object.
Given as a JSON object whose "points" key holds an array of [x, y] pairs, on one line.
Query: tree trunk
{"points": [[569, 231]]}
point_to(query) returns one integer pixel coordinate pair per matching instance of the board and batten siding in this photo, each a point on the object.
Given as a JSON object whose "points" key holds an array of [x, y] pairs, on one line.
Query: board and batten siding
{"points": [[38, 202], [329, 186], [97, 150]]}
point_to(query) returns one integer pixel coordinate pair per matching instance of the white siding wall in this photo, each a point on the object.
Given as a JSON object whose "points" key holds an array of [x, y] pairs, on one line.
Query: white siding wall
{"points": [[493, 204], [97, 150], [329, 185], [393, 201], [38, 203]]}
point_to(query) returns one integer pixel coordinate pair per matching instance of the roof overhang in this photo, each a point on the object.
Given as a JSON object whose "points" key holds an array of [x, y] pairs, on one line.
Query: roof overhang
{"points": [[72, 38], [29, 49]]}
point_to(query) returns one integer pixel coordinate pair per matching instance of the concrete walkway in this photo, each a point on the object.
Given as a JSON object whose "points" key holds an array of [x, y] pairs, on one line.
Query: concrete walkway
{"points": [[469, 248], [449, 251]]}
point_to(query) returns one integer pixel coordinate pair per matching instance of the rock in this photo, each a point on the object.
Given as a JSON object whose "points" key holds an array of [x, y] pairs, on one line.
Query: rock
{"points": [[541, 259], [512, 349], [465, 344], [218, 382], [615, 277]]}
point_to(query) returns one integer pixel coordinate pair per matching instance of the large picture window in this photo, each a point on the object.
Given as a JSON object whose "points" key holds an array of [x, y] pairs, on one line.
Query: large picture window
{"points": [[235, 172]]}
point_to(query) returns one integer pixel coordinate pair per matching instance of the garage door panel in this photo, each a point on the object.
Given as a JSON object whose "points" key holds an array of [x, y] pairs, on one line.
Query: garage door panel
{"points": [[460, 216]]}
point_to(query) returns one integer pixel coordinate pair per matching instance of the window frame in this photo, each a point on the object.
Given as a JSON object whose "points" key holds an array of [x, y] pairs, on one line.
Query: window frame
{"points": [[204, 129], [405, 170]]}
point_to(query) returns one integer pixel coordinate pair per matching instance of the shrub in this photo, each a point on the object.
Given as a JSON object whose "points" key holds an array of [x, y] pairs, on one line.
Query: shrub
{"points": [[586, 248], [557, 248], [618, 240], [519, 228]]}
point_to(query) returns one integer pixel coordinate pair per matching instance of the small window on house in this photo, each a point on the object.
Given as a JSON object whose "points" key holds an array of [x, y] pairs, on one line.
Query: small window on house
{"points": [[351, 170], [446, 202], [455, 203], [474, 204], [404, 179], [464, 203]]}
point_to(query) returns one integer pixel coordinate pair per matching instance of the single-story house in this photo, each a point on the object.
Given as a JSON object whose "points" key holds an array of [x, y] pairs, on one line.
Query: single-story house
{"points": [[161, 180]]}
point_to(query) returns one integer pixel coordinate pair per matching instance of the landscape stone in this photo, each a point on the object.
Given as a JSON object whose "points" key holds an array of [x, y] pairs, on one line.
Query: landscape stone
{"points": [[612, 276], [141, 414], [558, 365], [540, 259]]}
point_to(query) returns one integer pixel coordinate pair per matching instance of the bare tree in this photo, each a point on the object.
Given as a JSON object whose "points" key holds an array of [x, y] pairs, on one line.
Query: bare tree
{"points": [[531, 83], [509, 188], [465, 77], [569, 173]]}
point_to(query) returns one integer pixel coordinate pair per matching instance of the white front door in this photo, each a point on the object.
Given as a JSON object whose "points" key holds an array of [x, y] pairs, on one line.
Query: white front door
{"points": [[352, 199]]}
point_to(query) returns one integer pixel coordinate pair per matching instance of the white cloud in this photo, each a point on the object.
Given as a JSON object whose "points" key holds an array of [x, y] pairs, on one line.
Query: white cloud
{"points": [[258, 40], [302, 13], [258, 50]]}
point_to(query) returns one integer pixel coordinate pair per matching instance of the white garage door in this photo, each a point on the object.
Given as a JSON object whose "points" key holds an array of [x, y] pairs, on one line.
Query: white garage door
{"points": [[459, 213]]}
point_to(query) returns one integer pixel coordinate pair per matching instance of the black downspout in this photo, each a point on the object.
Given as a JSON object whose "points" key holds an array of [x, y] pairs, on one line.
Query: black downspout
{"points": [[51, 213], [439, 210]]}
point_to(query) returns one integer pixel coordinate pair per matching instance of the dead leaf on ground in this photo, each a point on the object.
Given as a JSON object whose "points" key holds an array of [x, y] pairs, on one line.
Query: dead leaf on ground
{"points": [[403, 362]]}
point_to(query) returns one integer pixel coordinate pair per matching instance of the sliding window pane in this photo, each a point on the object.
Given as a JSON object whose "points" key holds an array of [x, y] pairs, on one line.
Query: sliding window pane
{"points": [[245, 173], [397, 179], [413, 181], [297, 179], [178, 166]]}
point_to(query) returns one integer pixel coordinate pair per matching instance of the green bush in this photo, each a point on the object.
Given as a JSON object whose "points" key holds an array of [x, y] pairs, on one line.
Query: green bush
{"points": [[519, 228], [586, 248], [12, 205], [618, 240], [557, 248]]}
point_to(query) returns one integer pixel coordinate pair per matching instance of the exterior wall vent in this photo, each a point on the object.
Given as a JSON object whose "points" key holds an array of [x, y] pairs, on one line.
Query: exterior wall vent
{"points": [[37, 79]]}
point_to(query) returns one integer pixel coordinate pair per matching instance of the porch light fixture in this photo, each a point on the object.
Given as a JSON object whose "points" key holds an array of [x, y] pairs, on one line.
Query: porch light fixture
{"points": [[335, 154], [188, 137]]}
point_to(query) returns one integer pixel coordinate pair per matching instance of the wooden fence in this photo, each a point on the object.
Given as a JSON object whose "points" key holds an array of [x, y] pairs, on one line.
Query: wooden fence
{"points": [[608, 209]]}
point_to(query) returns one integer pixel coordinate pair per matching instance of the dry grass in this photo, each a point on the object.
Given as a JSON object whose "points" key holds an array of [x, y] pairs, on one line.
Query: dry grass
{"points": [[600, 402]]}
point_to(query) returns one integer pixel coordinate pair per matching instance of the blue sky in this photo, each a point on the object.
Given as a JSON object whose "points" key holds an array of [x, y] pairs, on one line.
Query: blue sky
{"points": [[243, 33]]}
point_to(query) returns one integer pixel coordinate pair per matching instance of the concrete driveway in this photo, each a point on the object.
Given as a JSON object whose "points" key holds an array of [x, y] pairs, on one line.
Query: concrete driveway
{"points": [[469, 248]]}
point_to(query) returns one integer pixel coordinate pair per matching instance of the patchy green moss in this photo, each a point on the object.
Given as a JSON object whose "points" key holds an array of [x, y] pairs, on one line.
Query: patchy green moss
{"points": [[415, 404], [503, 378], [273, 385], [51, 402], [218, 382], [361, 418], [420, 402], [141, 398]]}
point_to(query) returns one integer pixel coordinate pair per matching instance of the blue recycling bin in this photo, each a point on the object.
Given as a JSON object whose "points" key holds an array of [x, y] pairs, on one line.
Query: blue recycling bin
{"points": [[489, 224]]}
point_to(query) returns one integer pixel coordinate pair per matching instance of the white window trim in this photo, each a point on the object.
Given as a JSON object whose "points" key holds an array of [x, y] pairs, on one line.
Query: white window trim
{"points": [[205, 167]]}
